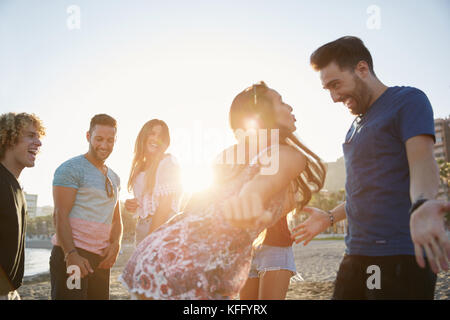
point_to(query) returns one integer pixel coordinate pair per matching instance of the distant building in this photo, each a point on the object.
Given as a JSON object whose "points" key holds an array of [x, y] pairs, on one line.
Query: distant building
{"points": [[335, 178], [442, 145], [31, 204], [442, 149], [44, 211]]}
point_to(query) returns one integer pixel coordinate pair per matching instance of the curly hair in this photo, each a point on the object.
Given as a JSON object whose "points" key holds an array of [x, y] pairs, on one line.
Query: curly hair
{"points": [[11, 126]]}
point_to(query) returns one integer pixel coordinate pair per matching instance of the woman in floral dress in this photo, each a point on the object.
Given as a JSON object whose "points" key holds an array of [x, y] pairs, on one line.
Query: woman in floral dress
{"points": [[205, 251]]}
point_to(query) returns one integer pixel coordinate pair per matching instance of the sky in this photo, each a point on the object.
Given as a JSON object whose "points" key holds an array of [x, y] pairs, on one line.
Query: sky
{"points": [[184, 61]]}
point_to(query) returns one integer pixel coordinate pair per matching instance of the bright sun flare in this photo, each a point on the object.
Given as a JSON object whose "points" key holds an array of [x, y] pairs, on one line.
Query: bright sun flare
{"points": [[196, 178]]}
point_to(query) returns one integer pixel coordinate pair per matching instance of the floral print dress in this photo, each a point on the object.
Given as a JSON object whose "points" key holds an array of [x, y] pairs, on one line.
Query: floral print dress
{"points": [[197, 254]]}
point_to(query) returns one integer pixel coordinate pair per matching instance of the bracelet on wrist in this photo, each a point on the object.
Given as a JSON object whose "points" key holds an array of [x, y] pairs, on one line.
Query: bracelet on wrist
{"points": [[330, 215], [69, 253], [416, 205]]}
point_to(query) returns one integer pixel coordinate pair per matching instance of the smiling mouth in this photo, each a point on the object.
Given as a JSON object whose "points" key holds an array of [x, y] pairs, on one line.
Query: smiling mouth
{"points": [[103, 152], [349, 102]]}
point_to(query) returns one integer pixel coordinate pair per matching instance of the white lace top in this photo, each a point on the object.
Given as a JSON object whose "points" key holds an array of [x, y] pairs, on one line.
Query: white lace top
{"points": [[167, 182]]}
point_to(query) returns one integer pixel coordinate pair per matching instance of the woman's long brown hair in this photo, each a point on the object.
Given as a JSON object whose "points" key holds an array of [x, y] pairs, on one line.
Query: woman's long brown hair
{"points": [[254, 103], [140, 161]]}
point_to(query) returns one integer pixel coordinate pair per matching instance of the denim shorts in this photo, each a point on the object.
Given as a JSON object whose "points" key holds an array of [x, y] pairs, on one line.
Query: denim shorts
{"points": [[270, 258]]}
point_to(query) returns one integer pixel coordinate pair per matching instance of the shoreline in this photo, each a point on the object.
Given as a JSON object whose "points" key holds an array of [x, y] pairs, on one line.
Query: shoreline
{"points": [[38, 244]]}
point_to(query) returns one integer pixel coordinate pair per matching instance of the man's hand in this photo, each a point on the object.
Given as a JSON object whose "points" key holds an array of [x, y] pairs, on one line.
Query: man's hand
{"points": [[74, 259], [110, 253], [131, 205], [317, 222], [428, 233]]}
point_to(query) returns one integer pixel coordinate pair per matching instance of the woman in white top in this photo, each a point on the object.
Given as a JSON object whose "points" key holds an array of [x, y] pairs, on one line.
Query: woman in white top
{"points": [[154, 179]]}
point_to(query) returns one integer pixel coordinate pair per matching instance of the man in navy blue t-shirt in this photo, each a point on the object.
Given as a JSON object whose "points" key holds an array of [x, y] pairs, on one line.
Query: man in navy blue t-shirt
{"points": [[391, 172]]}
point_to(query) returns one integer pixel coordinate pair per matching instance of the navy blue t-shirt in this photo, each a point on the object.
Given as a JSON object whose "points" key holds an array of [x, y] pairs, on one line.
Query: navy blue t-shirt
{"points": [[377, 185]]}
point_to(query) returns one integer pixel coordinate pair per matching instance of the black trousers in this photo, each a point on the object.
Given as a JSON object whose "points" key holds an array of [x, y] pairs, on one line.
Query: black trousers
{"points": [[95, 286], [399, 277]]}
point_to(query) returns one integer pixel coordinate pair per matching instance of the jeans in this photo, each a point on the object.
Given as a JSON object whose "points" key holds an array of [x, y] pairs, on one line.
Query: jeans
{"points": [[94, 286]]}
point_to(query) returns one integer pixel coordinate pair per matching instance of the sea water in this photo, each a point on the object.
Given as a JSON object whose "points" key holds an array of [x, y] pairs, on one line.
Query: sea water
{"points": [[36, 261]]}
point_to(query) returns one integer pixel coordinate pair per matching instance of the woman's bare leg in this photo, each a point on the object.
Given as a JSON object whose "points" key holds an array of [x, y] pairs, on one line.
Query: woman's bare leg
{"points": [[273, 285], [250, 290]]}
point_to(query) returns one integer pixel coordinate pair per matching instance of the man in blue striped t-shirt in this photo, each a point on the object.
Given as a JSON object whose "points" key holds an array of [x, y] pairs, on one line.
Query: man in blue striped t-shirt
{"points": [[87, 216]]}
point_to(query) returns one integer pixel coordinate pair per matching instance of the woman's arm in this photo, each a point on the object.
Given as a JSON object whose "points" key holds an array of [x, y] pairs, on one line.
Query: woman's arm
{"points": [[167, 190], [162, 213], [248, 207]]}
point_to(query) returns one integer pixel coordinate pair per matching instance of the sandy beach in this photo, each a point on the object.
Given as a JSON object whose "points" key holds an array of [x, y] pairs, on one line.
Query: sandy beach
{"points": [[317, 263]]}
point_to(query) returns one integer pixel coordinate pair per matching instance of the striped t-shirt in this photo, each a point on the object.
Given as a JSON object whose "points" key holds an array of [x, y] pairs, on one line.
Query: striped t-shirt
{"points": [[92, 212]]}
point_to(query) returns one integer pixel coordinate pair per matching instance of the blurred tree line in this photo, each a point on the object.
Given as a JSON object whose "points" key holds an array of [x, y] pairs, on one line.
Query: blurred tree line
{"points": [[41, 227]]}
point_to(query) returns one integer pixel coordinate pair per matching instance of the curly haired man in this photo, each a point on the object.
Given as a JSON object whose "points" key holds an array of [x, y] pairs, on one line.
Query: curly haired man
{"points": [[20, 136]]}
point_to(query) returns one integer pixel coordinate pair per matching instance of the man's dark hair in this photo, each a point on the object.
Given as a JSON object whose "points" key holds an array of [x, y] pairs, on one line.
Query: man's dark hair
{"points": [[347, 52], [102, 119]]}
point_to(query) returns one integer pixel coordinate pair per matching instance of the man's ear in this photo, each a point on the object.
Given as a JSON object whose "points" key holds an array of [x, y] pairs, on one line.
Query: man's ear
{"points": [[362, 69], [88, 136]]}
